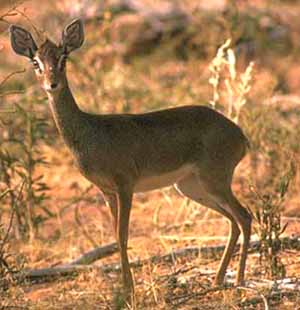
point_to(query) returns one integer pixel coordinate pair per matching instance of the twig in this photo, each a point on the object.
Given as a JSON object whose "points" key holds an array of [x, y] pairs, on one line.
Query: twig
{"points": [[2, 195], [177, 272], [3, 242], [10, 93], [12, 217], [272, 296], [79, 198], [11, 11], [37, 31], [184, 298], [264, 299], [11, 75], [83, 228]]}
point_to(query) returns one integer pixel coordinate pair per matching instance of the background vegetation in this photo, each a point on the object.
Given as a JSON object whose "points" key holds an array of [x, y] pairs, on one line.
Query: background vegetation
{"points": [[141, 57]]}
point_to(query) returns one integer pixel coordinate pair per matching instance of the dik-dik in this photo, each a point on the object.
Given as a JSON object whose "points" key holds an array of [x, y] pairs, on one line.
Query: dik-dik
{"points": [[194, 148]]}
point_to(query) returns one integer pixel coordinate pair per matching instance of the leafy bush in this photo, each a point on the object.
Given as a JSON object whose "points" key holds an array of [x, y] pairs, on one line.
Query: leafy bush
{"points": [[19, 158]]}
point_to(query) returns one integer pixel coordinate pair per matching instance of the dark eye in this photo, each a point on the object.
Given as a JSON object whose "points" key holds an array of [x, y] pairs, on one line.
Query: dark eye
{"points": [[35, 64]]}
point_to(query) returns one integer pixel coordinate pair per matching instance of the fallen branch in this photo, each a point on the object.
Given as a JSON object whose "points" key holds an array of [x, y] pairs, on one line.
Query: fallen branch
{"points": [[46, 273], [93, 255], [82, 263]]}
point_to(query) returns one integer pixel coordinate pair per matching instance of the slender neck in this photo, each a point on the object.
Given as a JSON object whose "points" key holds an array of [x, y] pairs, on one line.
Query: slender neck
{"points": [[66, 113]]}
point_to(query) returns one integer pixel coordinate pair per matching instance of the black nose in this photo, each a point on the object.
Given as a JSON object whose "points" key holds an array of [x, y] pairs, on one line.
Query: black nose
{"points": [[53, 85]]}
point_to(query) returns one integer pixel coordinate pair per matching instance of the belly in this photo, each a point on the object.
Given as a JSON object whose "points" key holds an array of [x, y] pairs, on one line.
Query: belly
{"points": [[152, 182]]}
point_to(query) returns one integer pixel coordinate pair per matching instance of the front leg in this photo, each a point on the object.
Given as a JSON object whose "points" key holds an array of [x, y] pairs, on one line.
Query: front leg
{"points": [[124, 199]]}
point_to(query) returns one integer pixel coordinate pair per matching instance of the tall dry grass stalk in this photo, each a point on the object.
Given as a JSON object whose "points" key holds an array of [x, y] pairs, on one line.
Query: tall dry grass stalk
{"points": [[237, 85]]}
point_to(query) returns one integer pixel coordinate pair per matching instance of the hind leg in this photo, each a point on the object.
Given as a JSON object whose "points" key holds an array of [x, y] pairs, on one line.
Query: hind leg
{"points": [[244, 219], [216, 194], [191, 188]]}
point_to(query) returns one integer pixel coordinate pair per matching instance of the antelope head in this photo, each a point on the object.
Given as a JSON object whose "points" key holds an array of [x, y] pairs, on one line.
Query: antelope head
{"points": [[48, 60]]}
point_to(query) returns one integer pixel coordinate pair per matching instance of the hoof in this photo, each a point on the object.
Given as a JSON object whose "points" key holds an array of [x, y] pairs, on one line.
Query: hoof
{"points": [[129, 296], [123, 299]]}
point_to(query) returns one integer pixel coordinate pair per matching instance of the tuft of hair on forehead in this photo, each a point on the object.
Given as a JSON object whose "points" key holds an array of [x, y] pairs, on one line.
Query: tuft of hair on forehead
{"points": [[48, 49]]}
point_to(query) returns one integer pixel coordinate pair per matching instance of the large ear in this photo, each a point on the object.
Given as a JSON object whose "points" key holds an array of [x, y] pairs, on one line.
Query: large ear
{"points": [[73, 36], [22, 41]]}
